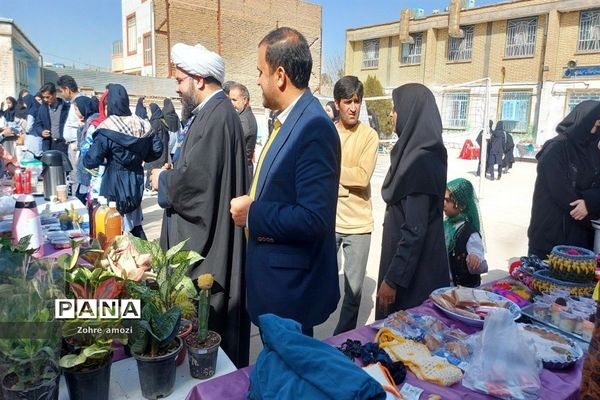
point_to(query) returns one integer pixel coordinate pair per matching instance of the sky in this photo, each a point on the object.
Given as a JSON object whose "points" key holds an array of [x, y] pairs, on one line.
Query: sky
{"points": [[81, 33]]}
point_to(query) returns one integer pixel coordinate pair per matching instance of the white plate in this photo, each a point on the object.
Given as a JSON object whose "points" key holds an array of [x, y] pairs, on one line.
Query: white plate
{"points": [[514, 309]]}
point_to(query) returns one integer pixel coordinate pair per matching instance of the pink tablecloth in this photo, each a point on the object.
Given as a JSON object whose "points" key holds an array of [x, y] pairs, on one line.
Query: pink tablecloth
{"points": [[555, 384]]}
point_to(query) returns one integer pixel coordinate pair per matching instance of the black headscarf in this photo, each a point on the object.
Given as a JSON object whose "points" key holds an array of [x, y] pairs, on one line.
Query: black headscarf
{"points": [[157, 114], [577, 125], [85, 106], [95, 103], [140, 110], [418, 159], [117, 101], [9, 113], [170, 116], [28, 107]]}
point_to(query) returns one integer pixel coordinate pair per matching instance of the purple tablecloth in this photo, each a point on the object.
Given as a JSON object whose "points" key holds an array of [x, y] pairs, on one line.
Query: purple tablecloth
{"points": [[556, 385]]}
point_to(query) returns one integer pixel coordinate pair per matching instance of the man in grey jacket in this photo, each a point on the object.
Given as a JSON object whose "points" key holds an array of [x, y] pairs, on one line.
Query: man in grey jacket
{"points": [[240, 98]]}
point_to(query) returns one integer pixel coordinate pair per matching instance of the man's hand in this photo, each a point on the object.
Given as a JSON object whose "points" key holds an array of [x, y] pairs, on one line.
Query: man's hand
{"points": [[579, 211], [386, 297], [7, 132], [473, 262], [154, 177], [46, 133], [239, 210]]}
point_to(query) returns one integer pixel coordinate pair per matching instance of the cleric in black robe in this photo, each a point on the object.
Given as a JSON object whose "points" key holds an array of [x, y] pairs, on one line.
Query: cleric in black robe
{"points": [[209, 171], [567, 189], [414, 261]]}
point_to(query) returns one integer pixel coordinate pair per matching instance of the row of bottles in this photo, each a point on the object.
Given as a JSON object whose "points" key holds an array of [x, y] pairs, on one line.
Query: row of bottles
{"points": [[105, 221], [22, 181]]}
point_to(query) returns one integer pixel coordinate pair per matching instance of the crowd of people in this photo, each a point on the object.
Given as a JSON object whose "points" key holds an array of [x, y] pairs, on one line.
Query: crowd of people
{"points": [[274, 231]]}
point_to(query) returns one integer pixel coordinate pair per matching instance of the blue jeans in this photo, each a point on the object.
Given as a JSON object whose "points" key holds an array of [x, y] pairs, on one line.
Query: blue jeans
{"points": [[355, 249]]}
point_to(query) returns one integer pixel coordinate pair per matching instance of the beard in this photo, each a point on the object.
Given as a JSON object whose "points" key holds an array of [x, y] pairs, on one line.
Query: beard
{"points": [[189, 102]]}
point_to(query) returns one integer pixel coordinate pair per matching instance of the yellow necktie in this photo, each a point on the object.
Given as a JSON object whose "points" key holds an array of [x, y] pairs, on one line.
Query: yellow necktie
{"points": [[263, 154]]}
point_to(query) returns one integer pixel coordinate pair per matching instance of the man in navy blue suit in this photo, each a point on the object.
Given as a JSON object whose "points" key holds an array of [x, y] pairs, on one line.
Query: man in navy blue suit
{"points": [[291, 266]]}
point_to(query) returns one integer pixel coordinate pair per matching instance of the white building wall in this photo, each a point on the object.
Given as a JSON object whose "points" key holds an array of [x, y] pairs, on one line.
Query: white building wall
{"points": [[134, 63]]}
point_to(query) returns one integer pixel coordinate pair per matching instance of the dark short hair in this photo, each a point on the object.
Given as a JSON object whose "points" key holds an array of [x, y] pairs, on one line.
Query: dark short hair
{"points": [[227, 86], [243, 90], [347, 87], [48, 87], [68, 82], [287, 48]]}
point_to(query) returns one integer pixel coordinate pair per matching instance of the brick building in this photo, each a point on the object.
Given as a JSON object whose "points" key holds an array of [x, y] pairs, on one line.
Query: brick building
{"points": [[233, 28], [542, 58], [19, 61]]}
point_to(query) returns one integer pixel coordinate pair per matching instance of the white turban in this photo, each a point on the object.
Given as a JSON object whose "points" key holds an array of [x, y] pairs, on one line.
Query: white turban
{"points": [[198, 60]]}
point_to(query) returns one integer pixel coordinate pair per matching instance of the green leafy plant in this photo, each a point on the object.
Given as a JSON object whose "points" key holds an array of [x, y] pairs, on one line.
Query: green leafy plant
{"points": [[89, 347], [31, 351], [14, 255], [164, 300]]}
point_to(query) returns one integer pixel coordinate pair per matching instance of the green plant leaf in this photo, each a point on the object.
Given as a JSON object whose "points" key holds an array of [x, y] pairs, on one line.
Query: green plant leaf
{"points": [[175, 249], [72, 360], [164, 328]]}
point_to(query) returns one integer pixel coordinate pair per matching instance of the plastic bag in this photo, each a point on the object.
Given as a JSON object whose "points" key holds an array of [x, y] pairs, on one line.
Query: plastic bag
{"points": [[504, 362]]}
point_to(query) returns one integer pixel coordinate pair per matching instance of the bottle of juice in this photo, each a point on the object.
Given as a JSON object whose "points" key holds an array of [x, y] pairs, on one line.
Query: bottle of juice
{"points": [[99, 220], [92, 205], [114, 222]]}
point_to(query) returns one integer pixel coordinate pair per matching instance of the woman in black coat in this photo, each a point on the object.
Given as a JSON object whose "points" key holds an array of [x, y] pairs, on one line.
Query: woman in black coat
{"points": [[125, 142], [414, 261], [159, 128], [567, 189], [496, 150]]}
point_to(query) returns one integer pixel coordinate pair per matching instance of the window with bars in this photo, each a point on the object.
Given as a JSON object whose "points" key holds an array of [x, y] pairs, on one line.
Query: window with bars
{"points": [[461, 49], [516, 107], [131, 35], [23, 79], [575, 98], [411, 52], [520, 37], [147, 42], [370, 53], [589, 31], [456, 109]]}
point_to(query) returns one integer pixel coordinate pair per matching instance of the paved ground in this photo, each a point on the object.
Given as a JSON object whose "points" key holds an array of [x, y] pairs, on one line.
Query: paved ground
{"points": [[505, 210]]}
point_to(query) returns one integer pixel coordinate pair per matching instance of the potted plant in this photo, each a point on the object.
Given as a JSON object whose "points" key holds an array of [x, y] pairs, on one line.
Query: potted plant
{"points": [[154, 342], [88, 343], [204, 345], [29, 354]]}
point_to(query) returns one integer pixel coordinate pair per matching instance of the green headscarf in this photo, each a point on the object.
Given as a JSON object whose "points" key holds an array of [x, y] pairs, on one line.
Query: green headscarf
{"points": [[463, 195]]}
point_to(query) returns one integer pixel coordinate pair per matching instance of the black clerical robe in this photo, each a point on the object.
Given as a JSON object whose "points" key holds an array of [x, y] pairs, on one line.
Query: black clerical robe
{"points": [[196, 194]]}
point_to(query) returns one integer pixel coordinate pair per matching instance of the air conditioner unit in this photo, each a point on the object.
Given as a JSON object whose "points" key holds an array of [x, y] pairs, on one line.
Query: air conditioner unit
{"points": [[470, 4], [418, 13]]}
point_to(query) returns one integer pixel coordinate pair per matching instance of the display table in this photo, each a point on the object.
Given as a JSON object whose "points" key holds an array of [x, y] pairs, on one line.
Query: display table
{"points": [[555, 384], [125, 383]]}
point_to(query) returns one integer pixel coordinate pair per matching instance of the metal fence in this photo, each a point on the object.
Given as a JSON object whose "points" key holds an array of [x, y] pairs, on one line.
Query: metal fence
{"points": [[456, 110], [411, 52], [370, 53]]}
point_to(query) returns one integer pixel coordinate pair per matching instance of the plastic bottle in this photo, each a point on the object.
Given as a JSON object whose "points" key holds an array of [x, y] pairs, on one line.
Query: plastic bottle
{"points": [[92, 205], [114, 222], [18, 181], [27, 181], [99, 220]]}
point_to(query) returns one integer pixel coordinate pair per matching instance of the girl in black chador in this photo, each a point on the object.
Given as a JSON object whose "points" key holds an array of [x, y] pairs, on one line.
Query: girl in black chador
{"points": [[461, 229], [567, 189]]}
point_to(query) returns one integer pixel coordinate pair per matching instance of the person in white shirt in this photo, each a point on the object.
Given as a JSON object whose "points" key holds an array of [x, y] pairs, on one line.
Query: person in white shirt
{"points": [[69, 91]]}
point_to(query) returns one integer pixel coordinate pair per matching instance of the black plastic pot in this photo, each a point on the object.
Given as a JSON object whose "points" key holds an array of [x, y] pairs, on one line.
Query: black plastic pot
{"points": [[157, 374], [89, 385], [46, 391], [203, 361]]}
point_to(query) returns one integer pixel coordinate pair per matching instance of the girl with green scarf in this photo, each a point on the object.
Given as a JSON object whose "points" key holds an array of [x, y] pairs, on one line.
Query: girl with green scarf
{"points": [[462, 231]]}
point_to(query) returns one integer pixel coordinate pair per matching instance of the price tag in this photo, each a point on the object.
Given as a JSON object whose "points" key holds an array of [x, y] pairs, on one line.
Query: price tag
{"points": [[410, 392]]}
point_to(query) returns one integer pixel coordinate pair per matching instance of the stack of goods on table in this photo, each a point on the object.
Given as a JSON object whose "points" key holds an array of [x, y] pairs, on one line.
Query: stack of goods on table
{"points": [[571, 314], [569, 267], [511, 288], [469, 305]]}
